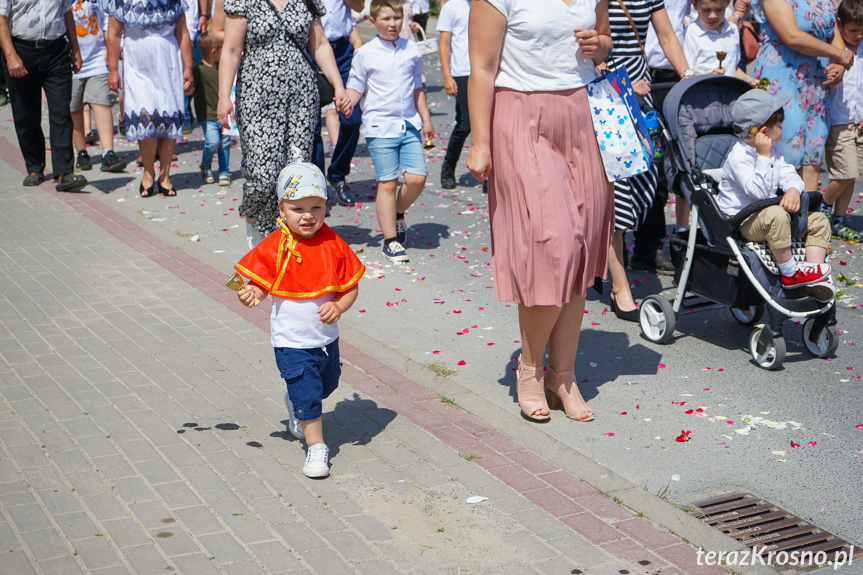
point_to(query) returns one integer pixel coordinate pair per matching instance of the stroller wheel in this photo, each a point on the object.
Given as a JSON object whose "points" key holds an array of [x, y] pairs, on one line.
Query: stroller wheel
{"points": [[748, 316], [826, 341], [773, 354], [656, 318]]}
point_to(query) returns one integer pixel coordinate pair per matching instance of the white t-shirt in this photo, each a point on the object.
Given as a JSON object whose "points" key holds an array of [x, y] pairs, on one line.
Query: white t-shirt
{"points": [[539, 48], [453, 19], [846, 101], [388, 75], [193, 11], [295, 323], [338, 22], [421, 6], [702, 43], [91, 21], [677, 12]]}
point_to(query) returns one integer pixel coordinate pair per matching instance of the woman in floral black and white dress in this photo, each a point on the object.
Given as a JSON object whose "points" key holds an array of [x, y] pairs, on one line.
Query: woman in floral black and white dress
{"points": [[276, 98]]}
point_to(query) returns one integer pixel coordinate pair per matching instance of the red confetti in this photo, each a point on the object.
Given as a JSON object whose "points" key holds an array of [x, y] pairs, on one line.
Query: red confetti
{"points": [[456, 311], [794, 445], [437, 352], [700, 410], [707, 388], [683, 437], [688, 411], [812, 443], [729, 422], [594, 323], [859, 426], [362, 311], [623, 413], [609, 435], [462, 362], [660, 365]]}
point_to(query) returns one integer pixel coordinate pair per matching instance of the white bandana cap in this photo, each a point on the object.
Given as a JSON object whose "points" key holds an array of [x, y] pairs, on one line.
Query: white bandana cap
{"points": [[301, 180]]}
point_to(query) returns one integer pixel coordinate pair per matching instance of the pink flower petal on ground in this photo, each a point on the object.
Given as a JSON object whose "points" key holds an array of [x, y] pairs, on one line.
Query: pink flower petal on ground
{"points": [[707, 388], [700, 410], [689, 411], [660, 365], [812, 443], [362, 311], [491, 343], [859, 426], [849, 367], [794, 445], [622, 413], [609, 435], [436, 352], [594, 323], [516, 341], [729, 422], [462, 362]]}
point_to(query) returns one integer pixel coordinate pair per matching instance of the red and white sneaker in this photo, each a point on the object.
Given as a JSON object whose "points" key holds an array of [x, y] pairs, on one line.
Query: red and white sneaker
{"points": [[806, 274]]}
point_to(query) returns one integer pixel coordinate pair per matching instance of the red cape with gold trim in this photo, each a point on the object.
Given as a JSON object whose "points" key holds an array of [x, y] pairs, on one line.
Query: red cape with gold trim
{"points": [[302, 268]]}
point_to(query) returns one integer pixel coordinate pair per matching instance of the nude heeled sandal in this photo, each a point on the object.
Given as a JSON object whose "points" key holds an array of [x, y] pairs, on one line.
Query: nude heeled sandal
{"points": [[562, 388], [529, 390]]}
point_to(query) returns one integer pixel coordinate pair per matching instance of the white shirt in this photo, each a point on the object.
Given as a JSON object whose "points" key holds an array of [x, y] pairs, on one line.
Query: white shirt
{"points": [[338, 21], [702, 43], [421, 6], [677, 12], [388, 75], [91, 21], [846, 101], [748, 177], [539, 48], [453, 19], [295, 323], [35, 19], [193, 12]]}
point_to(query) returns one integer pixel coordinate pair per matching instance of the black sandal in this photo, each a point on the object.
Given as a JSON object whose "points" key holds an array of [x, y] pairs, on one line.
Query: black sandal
{"points": [[146, 192], [169, 192]]}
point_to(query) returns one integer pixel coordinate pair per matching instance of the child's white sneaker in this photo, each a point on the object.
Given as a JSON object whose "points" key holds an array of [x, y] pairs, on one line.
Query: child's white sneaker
{"points": [[317, 461], [293, 423]]}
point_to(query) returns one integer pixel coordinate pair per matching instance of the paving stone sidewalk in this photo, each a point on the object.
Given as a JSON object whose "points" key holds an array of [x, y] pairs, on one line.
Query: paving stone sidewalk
{"points": [[142, 430]]}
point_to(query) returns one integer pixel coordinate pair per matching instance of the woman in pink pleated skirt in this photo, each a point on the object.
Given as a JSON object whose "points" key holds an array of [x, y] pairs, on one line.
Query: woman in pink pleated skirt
{"points": [[552, 207]]}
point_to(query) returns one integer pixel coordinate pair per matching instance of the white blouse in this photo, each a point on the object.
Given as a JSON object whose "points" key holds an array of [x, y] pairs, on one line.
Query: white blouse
{"points": [[540, 52]]}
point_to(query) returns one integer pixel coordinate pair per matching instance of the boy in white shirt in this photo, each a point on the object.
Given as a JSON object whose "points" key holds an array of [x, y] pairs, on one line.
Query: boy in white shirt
{"points": [[90, 86], [754, 171], [388, 71], [844, 149], [455, 66], [710, 34]]}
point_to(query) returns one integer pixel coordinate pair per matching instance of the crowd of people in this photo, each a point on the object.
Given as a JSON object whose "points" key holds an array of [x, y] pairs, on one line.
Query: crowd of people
{"points": [[517, 72]]}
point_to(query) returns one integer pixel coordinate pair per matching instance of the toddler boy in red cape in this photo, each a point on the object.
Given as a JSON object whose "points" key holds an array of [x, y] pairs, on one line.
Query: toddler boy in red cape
{"points": [[313, 276]]}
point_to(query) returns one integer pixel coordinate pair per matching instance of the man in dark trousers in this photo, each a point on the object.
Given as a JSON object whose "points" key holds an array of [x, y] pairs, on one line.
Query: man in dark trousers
{"points": [[338, 24], [40, 52]]}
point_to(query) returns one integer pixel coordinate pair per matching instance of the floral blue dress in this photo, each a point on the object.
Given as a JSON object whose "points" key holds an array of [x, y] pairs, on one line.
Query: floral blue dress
{"points": [[807, 116]]}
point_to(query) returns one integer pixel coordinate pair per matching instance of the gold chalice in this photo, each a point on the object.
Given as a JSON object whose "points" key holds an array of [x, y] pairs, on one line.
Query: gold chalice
{"points": [[235, 282], [764, 84], [721, 56], [429, 144]]}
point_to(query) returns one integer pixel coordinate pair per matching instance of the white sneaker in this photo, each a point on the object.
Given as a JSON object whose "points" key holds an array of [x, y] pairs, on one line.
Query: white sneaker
{"points": [[317, 461], [293, 423]]}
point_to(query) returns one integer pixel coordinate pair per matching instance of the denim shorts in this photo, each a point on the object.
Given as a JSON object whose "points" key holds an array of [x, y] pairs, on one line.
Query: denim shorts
{"points": [[311, 376], [403, 153]]}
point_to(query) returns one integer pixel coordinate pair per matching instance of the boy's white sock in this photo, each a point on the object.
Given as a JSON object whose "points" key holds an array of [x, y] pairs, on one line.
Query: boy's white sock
{"points": [[788, 268]]}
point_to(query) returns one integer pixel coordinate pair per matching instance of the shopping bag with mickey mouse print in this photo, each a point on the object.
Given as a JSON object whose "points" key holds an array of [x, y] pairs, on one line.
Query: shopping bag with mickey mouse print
{"points": [[622, 135]]}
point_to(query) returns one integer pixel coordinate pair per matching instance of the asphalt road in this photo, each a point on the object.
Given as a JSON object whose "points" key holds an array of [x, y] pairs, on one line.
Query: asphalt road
{"points": [[440, 309]]}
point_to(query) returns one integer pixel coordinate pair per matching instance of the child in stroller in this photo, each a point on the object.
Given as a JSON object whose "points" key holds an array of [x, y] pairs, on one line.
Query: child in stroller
{"points": [[754, 171], [714, 262]]}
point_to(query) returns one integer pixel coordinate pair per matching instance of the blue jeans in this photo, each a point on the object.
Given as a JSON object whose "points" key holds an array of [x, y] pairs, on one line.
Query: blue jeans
{"points": [[215, 141], [196, 59], [349, 128]]}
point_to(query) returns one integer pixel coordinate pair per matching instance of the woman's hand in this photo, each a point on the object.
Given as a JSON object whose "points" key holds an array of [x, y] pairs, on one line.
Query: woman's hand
{"points": [[114, 81], [588, 42], [845, 58], [641, 87], [344, 103], [224, 112], [479, 162], [188, 82], [834, 73]]}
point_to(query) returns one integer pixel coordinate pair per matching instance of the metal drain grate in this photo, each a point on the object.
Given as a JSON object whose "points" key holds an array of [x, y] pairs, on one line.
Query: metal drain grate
{"points": [[755, 522]]}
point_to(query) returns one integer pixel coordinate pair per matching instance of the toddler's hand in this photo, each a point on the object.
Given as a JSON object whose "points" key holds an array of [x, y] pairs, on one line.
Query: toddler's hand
{"points": [[329, 312], [791, 201], [247, 296], [763, 145]]}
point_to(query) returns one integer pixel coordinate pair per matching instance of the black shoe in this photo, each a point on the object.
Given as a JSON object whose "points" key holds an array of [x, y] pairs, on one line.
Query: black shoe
{"points": [[656, 262], [111, 163], [631, 315], [343, 193], [34, 179], [69, 182], [83, 162], [91, 138], [447, 176], [4, 99]]}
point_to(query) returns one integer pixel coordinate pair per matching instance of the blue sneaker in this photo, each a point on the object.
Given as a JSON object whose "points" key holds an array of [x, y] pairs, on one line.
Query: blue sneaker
{"points": [[401, 231], [394, 252], [293, 424]]}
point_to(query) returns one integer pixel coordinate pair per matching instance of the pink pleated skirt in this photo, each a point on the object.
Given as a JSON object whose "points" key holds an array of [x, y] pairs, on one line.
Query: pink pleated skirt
{"points": [[552, 207]]}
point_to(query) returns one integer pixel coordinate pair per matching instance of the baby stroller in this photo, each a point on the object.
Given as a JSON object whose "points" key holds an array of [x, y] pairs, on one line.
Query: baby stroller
{"points": [[712, 260]]}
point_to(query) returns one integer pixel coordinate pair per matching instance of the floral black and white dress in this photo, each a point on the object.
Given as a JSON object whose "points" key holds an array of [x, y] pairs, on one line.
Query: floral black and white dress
{"points": [[152, 68], [277, 99]]}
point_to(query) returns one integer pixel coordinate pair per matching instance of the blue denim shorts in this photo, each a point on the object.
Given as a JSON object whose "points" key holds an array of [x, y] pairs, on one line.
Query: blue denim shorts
{"points": [[403, 153], [311, 376]]}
